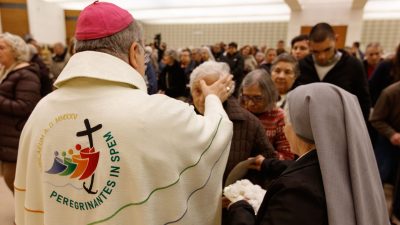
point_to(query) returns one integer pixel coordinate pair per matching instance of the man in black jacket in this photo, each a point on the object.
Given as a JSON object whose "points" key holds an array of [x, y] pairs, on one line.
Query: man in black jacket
{"points": [[328, 64], [236, 63]]}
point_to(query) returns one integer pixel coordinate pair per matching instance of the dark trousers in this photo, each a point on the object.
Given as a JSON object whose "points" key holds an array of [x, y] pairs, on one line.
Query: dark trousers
{"points": [[388, 158]]}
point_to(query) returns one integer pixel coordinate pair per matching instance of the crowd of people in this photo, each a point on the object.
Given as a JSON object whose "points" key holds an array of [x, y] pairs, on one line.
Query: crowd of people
{"points": [[115, 130]]}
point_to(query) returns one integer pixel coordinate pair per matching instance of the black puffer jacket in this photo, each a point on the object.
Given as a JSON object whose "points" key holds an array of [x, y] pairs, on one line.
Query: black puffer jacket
{"points": [[19, 94]]}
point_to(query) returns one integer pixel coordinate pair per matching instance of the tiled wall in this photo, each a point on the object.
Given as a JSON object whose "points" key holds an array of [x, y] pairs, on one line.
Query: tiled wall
{"points": [[387, 32], [195, 35]]}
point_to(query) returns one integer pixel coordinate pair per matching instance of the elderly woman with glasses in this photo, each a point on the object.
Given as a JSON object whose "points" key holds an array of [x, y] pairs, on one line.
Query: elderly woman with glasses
{"points": [[19, 93], [284, 71], [248, 133], [258, 95]]}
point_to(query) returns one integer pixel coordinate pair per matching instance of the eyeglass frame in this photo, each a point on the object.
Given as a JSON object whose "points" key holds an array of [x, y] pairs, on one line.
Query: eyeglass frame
{"points": [[253, 98]]}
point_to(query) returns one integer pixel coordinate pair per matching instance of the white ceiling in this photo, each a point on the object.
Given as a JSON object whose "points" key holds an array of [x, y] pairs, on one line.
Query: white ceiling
{"points": [[220, 11], [382, 9]]}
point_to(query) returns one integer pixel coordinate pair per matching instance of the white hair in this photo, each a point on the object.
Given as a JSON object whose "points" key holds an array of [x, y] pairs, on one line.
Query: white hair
{"points": [[148, 49], [172, 53], [209, 68], [209, 53], [18, 45]]}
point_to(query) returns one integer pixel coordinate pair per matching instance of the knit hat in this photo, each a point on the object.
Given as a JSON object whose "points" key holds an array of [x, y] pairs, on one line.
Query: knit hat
{"points": [[101, 19]]}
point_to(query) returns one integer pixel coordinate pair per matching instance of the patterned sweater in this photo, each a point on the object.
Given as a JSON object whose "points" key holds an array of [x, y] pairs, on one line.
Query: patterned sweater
{"points": [[273, 122]]}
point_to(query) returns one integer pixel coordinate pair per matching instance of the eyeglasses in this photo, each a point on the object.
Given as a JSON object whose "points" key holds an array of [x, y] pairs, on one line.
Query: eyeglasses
{"points": [[253, 98]]}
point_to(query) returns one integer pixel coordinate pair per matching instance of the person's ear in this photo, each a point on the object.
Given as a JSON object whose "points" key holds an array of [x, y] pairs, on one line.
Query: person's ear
{"points": [[134, 55]]}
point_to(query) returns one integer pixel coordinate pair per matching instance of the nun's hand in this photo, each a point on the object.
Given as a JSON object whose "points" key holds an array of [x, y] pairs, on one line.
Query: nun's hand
{"points": [[225, 202], [395, 139], [256, 162]]}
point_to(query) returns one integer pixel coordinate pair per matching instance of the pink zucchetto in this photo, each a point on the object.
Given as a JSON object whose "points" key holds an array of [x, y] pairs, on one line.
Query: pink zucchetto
{"points": [[101, 19]]}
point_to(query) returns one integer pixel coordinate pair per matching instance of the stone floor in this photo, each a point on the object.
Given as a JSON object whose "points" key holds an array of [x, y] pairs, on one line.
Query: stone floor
{"points": [[7, 204]]}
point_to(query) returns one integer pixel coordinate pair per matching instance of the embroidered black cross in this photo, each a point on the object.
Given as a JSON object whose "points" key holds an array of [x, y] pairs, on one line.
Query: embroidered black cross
{"points": [[88, 132]]}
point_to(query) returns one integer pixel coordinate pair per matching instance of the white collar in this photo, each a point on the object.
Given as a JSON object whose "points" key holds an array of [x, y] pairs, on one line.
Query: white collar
{"points": [[313, 149], [102, 66]]}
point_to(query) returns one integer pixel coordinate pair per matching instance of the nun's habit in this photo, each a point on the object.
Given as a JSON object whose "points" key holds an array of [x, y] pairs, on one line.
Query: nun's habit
{"points": [[331, 118]]}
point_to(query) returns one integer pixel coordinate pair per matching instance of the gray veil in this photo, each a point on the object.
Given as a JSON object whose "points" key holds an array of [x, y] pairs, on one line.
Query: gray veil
{"points": [[332, 118]]}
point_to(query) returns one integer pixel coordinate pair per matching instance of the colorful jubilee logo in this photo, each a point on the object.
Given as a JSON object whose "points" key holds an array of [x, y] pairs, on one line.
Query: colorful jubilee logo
{"points": [[76, 164], [80, 165]]}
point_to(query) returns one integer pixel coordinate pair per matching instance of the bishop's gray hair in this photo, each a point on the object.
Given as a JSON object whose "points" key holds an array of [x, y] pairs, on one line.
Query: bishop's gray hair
{"points": [[117, 44]]}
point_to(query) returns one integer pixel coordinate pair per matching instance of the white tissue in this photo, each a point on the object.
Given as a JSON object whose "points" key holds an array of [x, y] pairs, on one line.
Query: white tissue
{"points": [[245, 190]]}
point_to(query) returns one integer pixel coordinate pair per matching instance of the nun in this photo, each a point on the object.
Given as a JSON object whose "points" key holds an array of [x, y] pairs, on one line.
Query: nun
{"points": [[334, 181]]}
